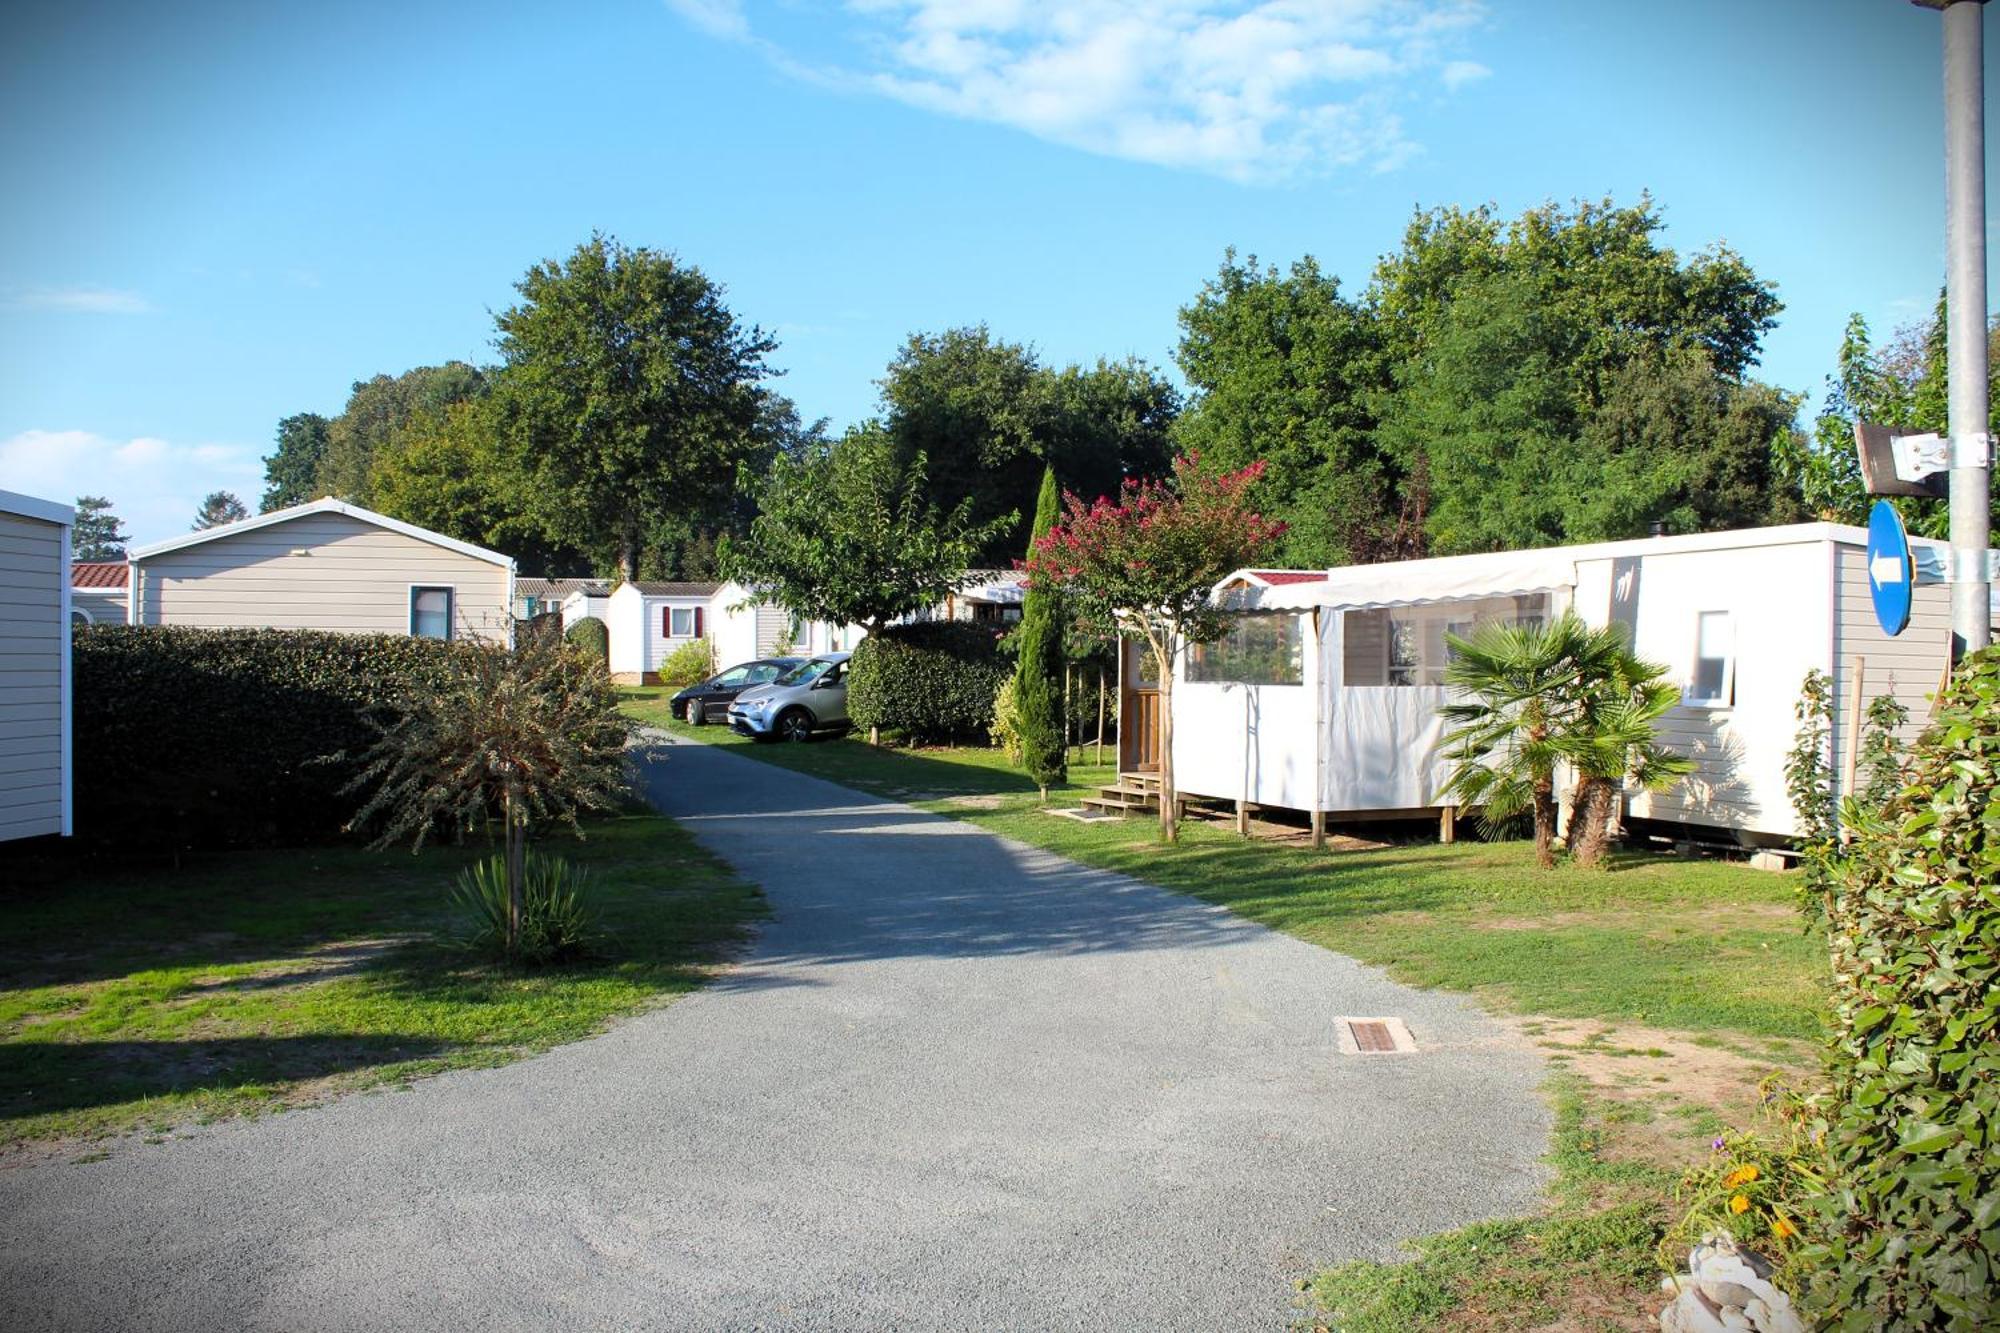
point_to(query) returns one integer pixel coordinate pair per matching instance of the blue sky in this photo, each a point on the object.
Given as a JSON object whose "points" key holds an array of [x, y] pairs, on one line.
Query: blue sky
{"points": [[218, 215]]}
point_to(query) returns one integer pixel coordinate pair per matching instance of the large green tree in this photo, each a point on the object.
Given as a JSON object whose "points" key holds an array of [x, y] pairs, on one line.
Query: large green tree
{"points": [[377, 410], [988, 417], [1040, 662], [848, 534], [98, 534], [292, 467], [218, 508], [634, 392], [1288, 370]]}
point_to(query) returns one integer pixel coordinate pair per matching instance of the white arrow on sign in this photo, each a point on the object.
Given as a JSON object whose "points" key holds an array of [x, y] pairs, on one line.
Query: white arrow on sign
{"points": [[1886, 569]]}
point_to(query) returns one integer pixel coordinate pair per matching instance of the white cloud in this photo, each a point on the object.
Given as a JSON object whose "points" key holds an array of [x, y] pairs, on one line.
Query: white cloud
{"points": [[84, 300], [155, 485], [1244, 89], [1457, 73]]}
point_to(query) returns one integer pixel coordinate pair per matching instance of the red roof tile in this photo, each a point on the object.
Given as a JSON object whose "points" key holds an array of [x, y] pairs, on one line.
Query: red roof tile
{"points": [[97, 573], [1278, 577]]}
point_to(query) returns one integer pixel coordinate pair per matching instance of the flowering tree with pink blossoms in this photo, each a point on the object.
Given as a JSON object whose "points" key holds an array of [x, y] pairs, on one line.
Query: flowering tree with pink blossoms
{"points": [[1145, 565]]}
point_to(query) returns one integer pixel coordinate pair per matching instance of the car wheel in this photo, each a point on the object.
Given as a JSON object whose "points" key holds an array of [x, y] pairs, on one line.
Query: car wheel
{"points": [[796, 725], [697, 715]]}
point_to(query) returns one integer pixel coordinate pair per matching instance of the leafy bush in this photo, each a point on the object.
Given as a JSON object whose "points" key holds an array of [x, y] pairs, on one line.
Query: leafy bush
{"points": [[1005, 730], [933, 681], [689, 664], [555, 919], [199, 738], [1913, 1212], [591, 637]]}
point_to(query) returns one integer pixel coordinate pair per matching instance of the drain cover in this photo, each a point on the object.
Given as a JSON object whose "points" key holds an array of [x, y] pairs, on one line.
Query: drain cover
{"points": [[1373, 1036]]}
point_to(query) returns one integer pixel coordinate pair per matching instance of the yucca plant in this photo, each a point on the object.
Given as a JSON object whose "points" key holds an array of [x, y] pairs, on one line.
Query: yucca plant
{"points": [[555, 922]]}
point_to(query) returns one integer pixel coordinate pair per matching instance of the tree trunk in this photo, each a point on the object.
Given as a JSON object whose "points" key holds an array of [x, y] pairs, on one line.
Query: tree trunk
{"points": [[1170, 829], [628, 552], [1590, 821], [517, 897], [1545, 823], [1100, 715]]}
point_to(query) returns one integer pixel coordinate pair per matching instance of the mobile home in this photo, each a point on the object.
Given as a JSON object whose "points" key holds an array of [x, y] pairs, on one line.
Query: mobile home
{"points": [[1324, 695], [325, 565], [35, 696]]}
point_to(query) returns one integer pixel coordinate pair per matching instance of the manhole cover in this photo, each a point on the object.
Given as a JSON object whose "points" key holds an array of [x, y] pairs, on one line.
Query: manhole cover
{"points": [[1374, 1036]]}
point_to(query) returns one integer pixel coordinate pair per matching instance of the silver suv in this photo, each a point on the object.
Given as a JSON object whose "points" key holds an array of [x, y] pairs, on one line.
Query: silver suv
{"points": [[811, 697]]}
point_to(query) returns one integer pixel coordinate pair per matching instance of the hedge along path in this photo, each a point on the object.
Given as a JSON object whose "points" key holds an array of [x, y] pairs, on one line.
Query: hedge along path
{"points": [[199, 738], [932, 681]]}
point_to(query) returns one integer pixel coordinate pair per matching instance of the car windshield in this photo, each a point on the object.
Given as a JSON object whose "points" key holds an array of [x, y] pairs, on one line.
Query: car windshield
{"points": [[806, 672]]}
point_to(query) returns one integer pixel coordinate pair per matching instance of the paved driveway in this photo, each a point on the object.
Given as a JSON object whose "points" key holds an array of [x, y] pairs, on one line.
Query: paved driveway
{"points": [[958, 1083]]}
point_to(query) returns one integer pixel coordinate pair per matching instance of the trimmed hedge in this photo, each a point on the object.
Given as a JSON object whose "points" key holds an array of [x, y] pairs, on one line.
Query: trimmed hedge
{"points": [[1913, 1227], [202, 738], [593, 636], [933, 681]]}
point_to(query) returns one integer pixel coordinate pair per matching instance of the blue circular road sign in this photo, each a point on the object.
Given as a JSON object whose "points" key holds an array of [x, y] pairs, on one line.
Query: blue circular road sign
{"points": [[1890, 569]]}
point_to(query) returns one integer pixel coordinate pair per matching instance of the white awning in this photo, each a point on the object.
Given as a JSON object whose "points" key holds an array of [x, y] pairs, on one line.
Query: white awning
{"points": [[1407, 582]]}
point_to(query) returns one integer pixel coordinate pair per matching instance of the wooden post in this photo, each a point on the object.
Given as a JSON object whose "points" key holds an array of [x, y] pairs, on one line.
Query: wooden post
{"points": [[1100, 715], [1857, 669], [1319, 830], [1448, 824]]}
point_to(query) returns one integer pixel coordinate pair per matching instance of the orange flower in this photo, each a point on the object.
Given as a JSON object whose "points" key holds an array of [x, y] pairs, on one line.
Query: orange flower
{"points": [[1739, 1204], [1742, 1175], [1782, 1229]]}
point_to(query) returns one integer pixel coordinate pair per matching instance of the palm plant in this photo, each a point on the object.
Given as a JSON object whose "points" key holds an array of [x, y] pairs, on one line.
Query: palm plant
{"points": [[1537, 697]]}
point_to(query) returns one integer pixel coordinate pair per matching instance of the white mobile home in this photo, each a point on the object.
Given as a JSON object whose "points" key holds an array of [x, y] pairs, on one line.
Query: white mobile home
{"points": [[325, 565], [1325, 694], [649, 622], [541, 597], [35, 697]]}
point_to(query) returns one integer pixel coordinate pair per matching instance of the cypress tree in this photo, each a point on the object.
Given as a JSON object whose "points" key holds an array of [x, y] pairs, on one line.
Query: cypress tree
{"points": [[1038, 678]]}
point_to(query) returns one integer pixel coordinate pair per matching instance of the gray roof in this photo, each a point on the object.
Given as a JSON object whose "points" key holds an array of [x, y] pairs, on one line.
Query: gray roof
{"points": [[677, 589], [555, 589]]}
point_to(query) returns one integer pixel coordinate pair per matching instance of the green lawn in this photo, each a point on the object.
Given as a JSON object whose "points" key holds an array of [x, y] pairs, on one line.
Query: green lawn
{"points": [[1703, 946], [250, 981]]}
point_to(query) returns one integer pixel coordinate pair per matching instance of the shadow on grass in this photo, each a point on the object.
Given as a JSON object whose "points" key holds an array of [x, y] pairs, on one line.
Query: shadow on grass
{"points": [[42, 1078]]}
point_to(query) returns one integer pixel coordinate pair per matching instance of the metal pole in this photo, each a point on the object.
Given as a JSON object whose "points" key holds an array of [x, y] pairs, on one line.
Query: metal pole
{"points": [[1965, 305]]}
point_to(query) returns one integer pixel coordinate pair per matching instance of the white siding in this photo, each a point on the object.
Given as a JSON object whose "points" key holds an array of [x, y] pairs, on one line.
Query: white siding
{"points": [[34, 641], [1909, 666], [659, 644], [353, 576], [106, 606]]}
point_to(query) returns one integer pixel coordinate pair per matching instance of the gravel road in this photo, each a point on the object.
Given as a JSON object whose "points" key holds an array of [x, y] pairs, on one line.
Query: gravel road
{"points": [[956, 1083]]}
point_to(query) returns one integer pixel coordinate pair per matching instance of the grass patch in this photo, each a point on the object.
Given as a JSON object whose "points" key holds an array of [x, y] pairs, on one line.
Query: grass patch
{"points": [[1588, 1259], [1695, 945], [245, 982]]}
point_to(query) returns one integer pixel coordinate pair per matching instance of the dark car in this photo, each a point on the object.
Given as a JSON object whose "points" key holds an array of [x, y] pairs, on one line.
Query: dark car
{"points": [[709, 700]]}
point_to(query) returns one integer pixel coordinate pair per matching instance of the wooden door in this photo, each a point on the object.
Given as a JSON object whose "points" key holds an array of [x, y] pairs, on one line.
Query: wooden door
{"points": [[1138, 709]]}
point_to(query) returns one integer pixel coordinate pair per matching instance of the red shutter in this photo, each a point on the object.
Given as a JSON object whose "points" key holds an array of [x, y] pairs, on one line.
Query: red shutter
{"points": [[666, 622], [697, 622]]}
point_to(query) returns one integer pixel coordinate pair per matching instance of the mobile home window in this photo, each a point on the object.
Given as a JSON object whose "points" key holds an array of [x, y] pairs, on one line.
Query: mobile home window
{"points": [[1714, 659], [683, 622], [1406, 645], [430, 613], [1257, 650]]}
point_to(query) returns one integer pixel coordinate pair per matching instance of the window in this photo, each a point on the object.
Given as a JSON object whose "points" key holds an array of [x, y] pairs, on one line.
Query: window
{"points": [[683, 622], [733, 676], [1257, 650], [1407, 645], [763, 673], [1714, 659], [430, 613]]}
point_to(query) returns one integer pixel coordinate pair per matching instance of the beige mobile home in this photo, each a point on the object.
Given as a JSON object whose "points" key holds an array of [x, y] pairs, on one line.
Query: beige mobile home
{"points": [[326, 565], [34, 667], [97, 593], [1324, 696]]}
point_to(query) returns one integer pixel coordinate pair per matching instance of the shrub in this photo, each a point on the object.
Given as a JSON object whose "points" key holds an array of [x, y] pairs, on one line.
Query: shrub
{"points": [[933, 681], [555, 918], [1758, 1187], [689, 664], [199, 738], [1005, 731], [1913, 1212], [593, 638]]}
